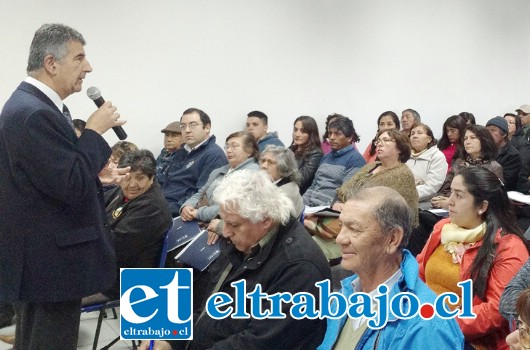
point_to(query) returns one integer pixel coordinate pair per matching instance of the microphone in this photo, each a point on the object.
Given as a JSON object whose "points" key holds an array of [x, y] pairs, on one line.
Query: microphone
{"points": [[95, 95]]}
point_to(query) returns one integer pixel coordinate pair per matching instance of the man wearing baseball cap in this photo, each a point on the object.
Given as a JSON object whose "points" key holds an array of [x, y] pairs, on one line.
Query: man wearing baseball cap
{"points": [[508, 155], [524, 113], [172, 142]]}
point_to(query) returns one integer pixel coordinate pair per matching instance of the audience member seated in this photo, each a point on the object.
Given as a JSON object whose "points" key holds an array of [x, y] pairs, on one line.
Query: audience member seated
{"points": [[508, 156], [469, 117], [257, 125], [427, 163], [137, 214], [452, 138], [79, 126], [376, 224], [519, 339], [518, 140], [194, 162], [325, 145], [119, 149], [393, 150], [479, 150], [409, 117], [264, 245], [280, 164], [242, 153], [480, 240], [306, 148], [172, 142], [336, 167], [515, 130], [387, 120], [524, 113], [520, 282]]}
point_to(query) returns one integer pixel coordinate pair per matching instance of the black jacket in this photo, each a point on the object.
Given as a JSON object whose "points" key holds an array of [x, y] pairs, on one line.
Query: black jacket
{"points": [[290, 262], [308, 165], [139, 228], [511, 163]]}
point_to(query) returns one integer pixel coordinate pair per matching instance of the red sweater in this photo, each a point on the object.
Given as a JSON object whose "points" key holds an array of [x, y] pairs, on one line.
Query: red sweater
{"points": [[449, 152]]}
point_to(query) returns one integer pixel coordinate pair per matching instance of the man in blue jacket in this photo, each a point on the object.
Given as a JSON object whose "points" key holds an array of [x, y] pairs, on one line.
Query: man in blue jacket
{"points": [[56, 247], [258, 125], [192, 164], [376, 225]]}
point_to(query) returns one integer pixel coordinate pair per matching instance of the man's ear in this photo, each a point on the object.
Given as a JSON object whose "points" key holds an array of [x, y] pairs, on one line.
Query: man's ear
{"points": [[49, 64], [268, 223], [394, 239]]}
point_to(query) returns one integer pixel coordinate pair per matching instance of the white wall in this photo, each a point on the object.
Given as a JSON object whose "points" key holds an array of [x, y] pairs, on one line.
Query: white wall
{"points": [[154, 59]]}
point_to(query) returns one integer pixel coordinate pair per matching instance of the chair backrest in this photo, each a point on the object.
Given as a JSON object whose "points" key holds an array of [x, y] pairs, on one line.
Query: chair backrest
{"points": [[163, 253]]}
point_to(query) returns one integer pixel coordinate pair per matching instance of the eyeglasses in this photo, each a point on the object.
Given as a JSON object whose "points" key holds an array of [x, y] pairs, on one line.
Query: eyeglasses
{"points": [[384, 141], [524, 334], [524, 337], [191, 125], [232, 146], [268, 161]]}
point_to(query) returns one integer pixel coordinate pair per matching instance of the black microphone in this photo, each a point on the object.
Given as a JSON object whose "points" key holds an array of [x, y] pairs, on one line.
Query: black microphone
{"points": [[95, 95]]}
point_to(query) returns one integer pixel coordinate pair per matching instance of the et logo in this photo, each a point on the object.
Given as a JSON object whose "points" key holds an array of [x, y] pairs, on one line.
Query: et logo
{"points": [[156, 304]]}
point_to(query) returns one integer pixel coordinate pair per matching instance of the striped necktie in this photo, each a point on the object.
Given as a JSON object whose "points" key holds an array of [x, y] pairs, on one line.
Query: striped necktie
{"points": [[67, 115]]}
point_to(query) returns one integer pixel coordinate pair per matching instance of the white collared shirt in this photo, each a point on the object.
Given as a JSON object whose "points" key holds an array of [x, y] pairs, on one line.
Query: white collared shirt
{"points": [[357, 322], [188, 149], [52, 95]]}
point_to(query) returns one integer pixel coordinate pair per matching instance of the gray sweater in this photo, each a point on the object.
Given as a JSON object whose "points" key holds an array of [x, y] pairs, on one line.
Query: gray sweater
{"points": [[520, 282], [207, 213]]}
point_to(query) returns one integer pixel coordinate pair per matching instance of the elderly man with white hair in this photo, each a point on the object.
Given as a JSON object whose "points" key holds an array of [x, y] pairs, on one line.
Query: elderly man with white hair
{"points": [[264, 246]]}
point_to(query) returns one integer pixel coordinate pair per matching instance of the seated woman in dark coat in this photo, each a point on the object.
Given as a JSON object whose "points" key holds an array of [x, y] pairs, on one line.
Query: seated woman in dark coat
{"points": [[138, 215]]}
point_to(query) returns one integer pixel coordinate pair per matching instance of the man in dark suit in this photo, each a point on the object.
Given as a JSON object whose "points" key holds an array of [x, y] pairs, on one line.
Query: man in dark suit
{"points": [[56, 246]]}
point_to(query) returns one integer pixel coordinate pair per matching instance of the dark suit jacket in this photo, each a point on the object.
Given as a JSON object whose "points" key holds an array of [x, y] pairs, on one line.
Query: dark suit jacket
{"points": [[55, 243]]}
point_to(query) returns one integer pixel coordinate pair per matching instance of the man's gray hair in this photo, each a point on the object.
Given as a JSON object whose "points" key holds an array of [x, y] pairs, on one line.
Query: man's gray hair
{"points": [[253, 196], [285, 162], [390, 209], [415, 114], [50, 39]]}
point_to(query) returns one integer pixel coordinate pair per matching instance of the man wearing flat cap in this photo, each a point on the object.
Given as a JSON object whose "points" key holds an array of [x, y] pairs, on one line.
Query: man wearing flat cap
{"points": [[508, 155], [172, 142]]}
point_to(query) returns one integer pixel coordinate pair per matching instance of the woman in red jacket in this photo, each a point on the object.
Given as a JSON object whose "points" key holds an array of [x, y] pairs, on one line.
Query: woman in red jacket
{"points": [[480, 241]]}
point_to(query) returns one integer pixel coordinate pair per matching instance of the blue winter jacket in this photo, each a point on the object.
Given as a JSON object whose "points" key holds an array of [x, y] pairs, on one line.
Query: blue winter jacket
{"points": [[414, 333], [189, 171]]}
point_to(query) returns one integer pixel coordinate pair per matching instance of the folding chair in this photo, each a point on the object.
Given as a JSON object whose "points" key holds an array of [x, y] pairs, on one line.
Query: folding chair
{"points": [[101, 303]]}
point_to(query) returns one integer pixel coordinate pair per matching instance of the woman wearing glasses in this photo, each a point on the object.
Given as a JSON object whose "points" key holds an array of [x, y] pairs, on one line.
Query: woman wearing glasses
{"points": [[242, 153], [515, 300], [279, 162], [520, 338], [387, 120], [393, 151]]}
